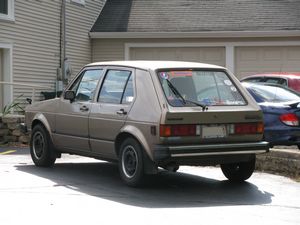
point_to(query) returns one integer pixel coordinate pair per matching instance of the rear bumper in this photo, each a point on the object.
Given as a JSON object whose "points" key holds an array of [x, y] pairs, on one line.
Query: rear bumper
{"points": [[163, 152], [283, 136]]}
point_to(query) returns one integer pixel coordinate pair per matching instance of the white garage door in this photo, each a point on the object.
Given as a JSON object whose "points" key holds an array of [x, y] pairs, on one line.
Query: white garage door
{"points": [[251, 60], [212, 55]]}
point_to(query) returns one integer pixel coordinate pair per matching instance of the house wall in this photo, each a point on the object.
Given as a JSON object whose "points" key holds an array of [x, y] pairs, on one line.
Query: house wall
{"points": [[35, 38], [120, 49]]}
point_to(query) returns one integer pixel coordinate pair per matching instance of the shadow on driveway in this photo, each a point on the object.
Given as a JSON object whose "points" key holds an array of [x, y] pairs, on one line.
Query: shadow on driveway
{"points": [[165, 190]]}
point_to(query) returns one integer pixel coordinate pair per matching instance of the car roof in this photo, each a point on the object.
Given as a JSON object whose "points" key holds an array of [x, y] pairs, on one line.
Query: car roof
{"points": [[154, 65], [260, 84], [275, 74]]}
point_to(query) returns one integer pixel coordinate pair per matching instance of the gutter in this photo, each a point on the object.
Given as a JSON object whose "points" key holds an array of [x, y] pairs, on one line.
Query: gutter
{"points": [[205, 34]]}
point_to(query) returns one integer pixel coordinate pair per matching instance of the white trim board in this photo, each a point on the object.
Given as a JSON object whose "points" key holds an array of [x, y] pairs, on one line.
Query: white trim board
{"points": [[11, 12], [7, 72], [229, 47], [203, 34]]}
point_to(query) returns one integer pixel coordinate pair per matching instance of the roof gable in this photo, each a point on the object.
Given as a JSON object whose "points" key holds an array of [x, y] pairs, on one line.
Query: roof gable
{"points": [[198, 15]]}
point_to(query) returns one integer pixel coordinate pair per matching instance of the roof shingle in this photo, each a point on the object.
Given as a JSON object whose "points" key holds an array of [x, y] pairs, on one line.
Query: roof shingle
{"points": [[198, 15]]}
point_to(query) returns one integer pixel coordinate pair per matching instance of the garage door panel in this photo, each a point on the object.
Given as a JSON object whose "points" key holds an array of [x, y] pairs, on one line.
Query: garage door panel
{"points": [[165, 54], [272, 54], [189, 54], [260, 59], [293, 54], [141, 54], [212, 55], [248, 55]]}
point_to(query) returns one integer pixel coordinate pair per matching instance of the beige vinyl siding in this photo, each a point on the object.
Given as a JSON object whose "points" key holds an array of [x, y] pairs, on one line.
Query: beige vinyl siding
{"points": [[35, 36], [108, 49], [80, 19]]}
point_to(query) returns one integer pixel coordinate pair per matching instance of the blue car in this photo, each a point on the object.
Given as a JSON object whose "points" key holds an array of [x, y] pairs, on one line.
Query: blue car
{"points": [[281, 110]]}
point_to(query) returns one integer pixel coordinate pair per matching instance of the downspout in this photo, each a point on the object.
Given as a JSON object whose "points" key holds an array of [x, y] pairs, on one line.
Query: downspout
{"points": [[60, 75], [63, 41]]}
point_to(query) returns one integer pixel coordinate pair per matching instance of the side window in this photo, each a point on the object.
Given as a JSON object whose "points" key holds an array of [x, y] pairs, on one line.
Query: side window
{"points": [[85, 85], [254, 80], [113, 87], [273, 80]]}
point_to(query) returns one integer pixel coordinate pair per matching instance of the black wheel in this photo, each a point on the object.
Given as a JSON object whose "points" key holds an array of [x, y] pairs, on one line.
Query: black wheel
{"points": [[238, 172], [131, 165], [298, 147], [41, 148]]}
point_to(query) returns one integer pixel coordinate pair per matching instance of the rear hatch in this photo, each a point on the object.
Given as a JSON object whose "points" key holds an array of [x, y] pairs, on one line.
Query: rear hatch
{"points": [[207, 106]]}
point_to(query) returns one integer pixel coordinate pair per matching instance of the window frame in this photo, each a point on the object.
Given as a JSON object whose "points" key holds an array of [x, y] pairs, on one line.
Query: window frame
{"points": [[10, 16], [132, 74], [79, 77]]}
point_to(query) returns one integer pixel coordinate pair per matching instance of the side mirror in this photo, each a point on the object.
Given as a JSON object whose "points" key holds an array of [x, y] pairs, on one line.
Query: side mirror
{"points": [[69, 95]]}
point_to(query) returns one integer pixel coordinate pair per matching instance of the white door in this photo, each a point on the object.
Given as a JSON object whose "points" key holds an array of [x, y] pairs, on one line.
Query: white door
{"points": [[252, 60], [211, 55]]}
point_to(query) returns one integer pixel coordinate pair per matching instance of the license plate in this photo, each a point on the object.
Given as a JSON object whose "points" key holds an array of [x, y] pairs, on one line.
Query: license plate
{"points": [[213, 131]]}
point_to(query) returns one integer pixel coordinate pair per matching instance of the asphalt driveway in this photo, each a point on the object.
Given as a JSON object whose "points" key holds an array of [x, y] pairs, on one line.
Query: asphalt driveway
{"points": [[80, 190]]}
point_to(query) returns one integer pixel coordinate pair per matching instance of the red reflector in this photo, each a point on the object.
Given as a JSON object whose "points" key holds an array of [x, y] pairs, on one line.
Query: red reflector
{"points": [[177, 130], [289, 119], [248, 128]]}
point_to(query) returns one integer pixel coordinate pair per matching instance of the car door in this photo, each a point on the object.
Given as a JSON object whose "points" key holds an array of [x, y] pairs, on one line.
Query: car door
{"points": [[72, 128], [109, 114]]}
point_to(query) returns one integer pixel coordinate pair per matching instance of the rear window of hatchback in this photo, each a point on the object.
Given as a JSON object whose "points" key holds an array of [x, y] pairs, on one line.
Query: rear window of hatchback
{"points": [[206, 87]]}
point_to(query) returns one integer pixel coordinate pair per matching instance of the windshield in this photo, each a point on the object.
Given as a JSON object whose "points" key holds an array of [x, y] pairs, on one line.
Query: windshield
{"points": [[202, 87], [274, 93]]}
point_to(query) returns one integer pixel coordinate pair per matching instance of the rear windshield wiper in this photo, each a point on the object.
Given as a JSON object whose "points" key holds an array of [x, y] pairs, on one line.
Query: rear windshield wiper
{"points": [[204, 107], [185, 101]]}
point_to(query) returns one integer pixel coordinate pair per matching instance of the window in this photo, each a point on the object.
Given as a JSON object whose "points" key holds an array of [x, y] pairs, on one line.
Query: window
{"points": [[128, 93], [117, 87], [80, 2], [7, 9], [204, 87], [85, 85], [3, 7], [280, 81], [275, 93]]}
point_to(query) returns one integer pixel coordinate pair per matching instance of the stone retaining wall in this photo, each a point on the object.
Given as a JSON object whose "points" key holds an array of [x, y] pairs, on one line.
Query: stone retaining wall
{"points": [[10, 131], [280, 161]]}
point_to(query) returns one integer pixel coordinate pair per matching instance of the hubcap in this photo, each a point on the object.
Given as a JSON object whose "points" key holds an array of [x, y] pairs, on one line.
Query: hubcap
{"points": [[129, 161], [38, 144]]}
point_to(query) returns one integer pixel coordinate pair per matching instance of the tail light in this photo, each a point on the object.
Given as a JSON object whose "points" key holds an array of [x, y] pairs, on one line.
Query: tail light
{"points": [[289, 119], [198, 130], [247, 128], [178, 130]]}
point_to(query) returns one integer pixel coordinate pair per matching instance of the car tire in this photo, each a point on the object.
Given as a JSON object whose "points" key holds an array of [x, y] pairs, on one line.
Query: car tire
{"points": [[131, 165], [41, 147], [238, 172]]}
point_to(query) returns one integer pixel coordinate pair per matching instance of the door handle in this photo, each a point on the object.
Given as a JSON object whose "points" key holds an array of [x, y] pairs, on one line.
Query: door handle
{"points": [[121, 112], [84, 108]]}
